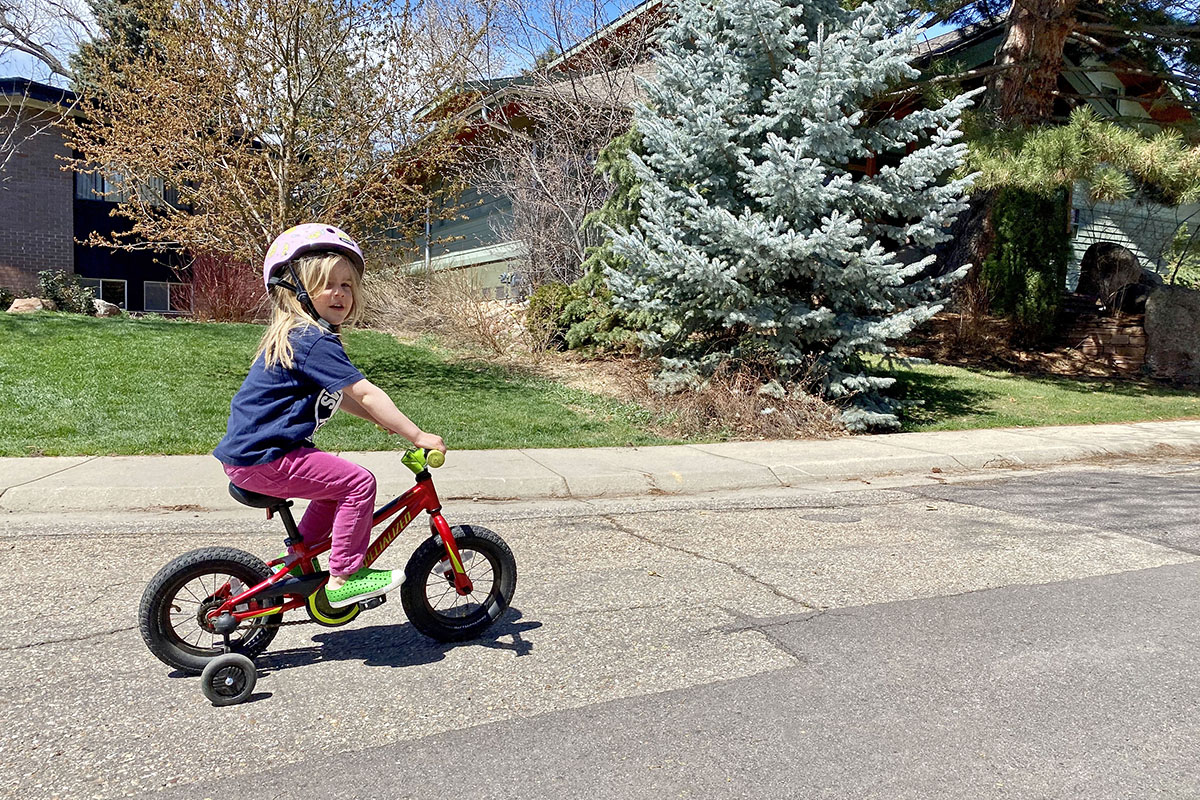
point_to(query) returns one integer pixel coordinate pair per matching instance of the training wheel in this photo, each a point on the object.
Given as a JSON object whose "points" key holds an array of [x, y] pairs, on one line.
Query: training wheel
{"points": [[228, 679]]}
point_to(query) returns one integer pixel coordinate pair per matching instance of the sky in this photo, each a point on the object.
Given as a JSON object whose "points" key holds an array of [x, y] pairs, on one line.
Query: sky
{"points": [[15, 64]]}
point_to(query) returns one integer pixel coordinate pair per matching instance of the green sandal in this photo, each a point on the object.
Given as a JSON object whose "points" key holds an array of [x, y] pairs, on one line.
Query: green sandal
{"points": [[363, 585]]}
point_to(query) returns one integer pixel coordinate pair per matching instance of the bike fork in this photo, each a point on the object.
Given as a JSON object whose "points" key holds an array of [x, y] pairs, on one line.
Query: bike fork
{"points": [[462, 584]]}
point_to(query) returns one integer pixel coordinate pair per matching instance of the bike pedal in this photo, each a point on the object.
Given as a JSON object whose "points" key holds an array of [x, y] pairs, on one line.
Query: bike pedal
{"points": [[372, 602]]}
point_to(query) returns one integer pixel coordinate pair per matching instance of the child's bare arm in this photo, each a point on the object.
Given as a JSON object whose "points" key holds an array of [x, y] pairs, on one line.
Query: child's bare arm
{"points": [[351, 406], [379, 408]]}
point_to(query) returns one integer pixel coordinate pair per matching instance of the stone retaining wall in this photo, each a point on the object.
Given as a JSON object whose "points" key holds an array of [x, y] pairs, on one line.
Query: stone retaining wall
{"points": [[1118, 341]]}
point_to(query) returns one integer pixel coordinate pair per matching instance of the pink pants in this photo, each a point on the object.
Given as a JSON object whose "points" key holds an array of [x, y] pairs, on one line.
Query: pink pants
{"points": [[342, 495]]}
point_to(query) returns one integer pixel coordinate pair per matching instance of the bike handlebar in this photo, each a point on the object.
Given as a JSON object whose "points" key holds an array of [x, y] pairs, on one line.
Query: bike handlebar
{"points": [[418, 460]]}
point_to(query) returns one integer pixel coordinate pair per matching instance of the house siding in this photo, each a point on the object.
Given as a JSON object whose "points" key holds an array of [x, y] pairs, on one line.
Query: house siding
{"points": [[36, 212], [473, 226], [1146, 229], [468, 241]]}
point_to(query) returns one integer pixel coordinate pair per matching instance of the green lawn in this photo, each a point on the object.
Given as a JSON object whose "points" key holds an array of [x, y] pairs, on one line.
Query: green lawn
{"points": [[950, 398], [82, 386]]}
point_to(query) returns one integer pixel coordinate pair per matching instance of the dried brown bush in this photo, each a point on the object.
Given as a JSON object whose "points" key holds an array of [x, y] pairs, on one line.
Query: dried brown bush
{"points": [[729, 403], [448, 304]]}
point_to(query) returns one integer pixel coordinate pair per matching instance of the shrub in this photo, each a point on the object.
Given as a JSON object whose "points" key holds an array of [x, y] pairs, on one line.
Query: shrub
{"points": [[224, 289], [734, 401], [1027, 270], [446, 303], [63, 288], [1183, 259], [544, 319], [6, 297]]}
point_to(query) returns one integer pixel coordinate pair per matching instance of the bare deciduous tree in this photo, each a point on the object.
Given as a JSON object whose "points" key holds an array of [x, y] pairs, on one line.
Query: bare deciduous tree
{"points": [[44, 31], [41, 34], [234, 119], [545, 128], [24, 117]]}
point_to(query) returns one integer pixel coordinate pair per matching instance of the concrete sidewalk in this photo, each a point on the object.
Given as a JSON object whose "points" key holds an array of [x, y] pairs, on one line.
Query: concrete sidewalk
{"points": [[195, 483]]}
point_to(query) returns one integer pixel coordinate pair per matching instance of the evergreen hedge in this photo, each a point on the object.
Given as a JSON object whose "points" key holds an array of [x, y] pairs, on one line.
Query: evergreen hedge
{"points": [[1026, 272]]}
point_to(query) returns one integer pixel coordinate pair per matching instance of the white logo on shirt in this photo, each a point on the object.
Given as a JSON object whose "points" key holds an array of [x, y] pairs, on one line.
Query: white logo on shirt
{"points": [[327, 405]]}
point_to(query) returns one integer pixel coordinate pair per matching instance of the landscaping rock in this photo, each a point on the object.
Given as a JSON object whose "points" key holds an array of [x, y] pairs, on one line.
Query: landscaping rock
{"points": [[1131, 298], [1173, 333], [105, 308], [1106, 268], [28, 305]]}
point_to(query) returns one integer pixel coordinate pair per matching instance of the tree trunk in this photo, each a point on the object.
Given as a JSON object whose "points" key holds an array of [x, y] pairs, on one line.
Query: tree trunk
{"points": [[1033, 54], [972, 236]]}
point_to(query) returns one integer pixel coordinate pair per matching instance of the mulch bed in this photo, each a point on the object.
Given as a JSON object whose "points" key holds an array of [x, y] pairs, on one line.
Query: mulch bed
{"points": [[985, 342]]}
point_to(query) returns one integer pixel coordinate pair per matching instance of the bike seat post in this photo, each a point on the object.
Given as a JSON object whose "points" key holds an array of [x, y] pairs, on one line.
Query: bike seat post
{"points": [[289, 523]]}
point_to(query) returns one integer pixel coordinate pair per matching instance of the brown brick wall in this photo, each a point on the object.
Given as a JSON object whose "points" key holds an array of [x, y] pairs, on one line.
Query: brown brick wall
{"points": [[36, 210]]}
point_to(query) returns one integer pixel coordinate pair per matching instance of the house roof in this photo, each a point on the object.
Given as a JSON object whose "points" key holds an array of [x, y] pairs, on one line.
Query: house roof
{"points": [[12, 90], [954, 40], [622, 85], [647, 12]]}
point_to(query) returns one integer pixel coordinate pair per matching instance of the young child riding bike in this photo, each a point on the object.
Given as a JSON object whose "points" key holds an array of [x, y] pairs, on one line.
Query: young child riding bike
{"points": [[300, 377]]}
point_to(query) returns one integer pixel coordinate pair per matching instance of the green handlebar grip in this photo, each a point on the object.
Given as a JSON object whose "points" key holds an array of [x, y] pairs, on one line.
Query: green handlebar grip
{"points": [[435, 458]]}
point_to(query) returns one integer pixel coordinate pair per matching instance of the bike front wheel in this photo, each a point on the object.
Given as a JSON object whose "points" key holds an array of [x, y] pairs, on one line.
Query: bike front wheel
{"points": [[434, 606]]}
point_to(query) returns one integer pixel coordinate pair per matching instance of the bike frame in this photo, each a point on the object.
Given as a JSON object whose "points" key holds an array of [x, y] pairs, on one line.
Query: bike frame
{"points": [[421, 497]]}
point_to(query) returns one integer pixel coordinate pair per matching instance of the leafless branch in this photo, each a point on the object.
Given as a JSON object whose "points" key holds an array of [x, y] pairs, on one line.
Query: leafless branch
{"points": [[538, 149]]}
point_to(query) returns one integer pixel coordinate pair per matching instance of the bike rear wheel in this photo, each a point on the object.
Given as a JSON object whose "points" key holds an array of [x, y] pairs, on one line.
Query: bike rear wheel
{"points": [[430, 600], [172, 612]]}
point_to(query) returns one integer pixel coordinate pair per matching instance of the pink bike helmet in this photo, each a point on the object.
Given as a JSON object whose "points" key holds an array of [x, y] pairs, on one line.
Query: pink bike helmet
{"points": [[307, 238]]}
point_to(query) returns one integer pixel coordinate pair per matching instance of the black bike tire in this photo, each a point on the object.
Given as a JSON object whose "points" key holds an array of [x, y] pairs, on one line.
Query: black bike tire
{"points": [[153, 620], [444, 628]]}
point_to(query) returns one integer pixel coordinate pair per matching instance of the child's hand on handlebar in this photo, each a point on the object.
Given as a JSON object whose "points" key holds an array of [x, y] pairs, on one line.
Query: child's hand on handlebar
{"points": [[430, 441]]}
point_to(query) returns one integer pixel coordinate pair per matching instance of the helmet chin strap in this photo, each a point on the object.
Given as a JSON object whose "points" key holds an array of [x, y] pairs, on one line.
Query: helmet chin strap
{"points": [[302, 296]]}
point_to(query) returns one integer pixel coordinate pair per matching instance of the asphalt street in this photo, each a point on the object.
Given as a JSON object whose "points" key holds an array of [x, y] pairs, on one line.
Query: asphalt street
{"points": [[1019, 634]]}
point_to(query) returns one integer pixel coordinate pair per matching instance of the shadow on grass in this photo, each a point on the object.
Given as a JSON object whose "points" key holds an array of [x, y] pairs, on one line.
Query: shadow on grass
{"points": [[1131, 387], [931, 399]]}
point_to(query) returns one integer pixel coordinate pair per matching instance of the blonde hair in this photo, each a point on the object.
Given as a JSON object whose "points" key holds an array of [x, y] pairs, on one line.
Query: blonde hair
{"points": [[287, 314]]}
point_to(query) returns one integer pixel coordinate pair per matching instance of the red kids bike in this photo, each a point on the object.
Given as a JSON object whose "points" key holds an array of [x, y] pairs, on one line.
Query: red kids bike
{"points": [[210, 611]]}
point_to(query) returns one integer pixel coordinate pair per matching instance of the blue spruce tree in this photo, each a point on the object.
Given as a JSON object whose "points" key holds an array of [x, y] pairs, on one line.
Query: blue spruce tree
{"points": [[761, 231]]}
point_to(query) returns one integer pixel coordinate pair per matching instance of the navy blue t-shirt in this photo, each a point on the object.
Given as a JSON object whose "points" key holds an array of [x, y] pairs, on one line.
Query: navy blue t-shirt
{"points": [[278, 409]]}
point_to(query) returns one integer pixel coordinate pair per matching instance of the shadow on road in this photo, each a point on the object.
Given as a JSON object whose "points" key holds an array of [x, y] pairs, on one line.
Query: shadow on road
{"points": [[398, 645]]}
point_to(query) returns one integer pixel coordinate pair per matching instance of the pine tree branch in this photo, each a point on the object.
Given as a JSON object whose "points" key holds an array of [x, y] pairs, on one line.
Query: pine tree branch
{"points": [[1138, 34], [1169, 31], [966, 75]]}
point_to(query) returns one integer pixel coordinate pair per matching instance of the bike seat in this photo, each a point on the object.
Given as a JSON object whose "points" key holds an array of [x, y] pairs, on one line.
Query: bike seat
{"points": [[254, 499]]}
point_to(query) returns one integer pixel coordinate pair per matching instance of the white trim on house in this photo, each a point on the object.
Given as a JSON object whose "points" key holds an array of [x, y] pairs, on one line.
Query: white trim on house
{"points": [[475, 257]]}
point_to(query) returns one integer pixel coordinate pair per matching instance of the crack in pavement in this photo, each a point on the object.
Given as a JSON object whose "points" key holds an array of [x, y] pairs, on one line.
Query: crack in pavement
{"points": [[764, 626], [81, 638], [47, 475], [775, 590], [553, 472]]}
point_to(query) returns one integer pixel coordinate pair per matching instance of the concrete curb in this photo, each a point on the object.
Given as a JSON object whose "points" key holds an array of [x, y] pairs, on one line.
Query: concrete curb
{"points": [[131, 483]]}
